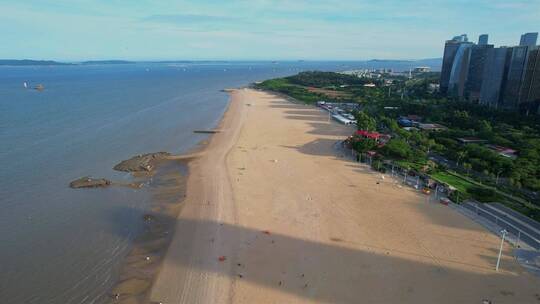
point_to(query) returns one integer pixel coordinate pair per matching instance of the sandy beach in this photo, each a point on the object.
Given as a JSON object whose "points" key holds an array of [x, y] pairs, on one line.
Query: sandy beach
{"points": [[275, 214]]}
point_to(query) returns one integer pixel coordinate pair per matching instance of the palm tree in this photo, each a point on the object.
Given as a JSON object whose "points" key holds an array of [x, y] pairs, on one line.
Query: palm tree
{"points": [[461, 155]]}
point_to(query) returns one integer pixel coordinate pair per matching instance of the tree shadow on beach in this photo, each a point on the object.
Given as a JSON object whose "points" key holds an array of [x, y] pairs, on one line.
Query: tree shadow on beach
{"points": [[287, 106], [320, 147], [330, 129], [308, 111], [333, 271], [313, 118]]}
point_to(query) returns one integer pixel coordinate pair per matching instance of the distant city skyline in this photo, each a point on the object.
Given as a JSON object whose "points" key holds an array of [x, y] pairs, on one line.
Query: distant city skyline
{"points": [[501, 77], [254, 30]]}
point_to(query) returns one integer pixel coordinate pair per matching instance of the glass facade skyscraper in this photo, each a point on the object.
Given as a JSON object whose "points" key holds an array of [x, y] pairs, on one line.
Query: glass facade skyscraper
{"points": [[483, 39], [530, 89], [528, 39], [515, 65], [475, 75], [505, 77], [451, 48], [460, 68], [493, 77]]}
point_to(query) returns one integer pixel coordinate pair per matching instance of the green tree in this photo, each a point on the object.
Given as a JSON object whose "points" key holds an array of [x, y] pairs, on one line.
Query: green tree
{"points": [[365, 122], [364, 145], [460, 156], [467, 167], [485, 129], [398, 149]]}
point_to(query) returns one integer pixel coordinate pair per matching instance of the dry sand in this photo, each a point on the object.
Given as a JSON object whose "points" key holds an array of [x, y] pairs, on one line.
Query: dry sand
{"points": [[295, 222]]}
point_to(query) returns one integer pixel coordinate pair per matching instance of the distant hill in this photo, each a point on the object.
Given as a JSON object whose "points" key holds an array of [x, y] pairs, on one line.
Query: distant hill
{"points": [[28, 62], [404, 65], [405, 60], [191, 61], [107, 62], [428, 61]]}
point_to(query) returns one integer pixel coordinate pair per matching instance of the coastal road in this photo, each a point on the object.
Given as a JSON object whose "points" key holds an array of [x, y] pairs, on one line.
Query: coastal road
{"points": [[274, 214]]}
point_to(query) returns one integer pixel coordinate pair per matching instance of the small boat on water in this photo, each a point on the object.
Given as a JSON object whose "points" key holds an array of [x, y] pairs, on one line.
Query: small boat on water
{"points": [[39, 87], [25, 85]]}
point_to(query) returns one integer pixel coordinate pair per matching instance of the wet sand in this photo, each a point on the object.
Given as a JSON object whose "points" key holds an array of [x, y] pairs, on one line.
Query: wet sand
{"points": [[165, 175], [167, 187], [275, 214]]}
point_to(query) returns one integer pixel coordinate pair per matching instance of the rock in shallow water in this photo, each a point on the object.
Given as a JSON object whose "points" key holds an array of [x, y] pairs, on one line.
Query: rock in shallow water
{"points": [[141, 163], [89, 182]]}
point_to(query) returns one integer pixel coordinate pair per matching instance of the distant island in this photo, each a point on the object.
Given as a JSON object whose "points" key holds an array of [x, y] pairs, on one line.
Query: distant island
{"points": [[28, 62], [191, 61], [107, 62]]}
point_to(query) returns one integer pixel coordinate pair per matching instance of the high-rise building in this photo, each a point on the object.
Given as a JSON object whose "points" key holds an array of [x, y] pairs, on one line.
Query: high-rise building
{"points": [[528, 39], [475, 74], [460, 68], [493, 76], [450, 49], [530, 89], [516, 62], [505, 77], [483, 39], [461, 38]]}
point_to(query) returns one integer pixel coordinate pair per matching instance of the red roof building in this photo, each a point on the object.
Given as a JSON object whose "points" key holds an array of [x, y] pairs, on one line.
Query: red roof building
{"points": [[381, 139], [367, 134]]}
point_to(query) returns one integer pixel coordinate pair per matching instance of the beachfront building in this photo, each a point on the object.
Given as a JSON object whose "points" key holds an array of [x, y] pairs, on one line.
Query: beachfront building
{"points": [[421, 69], [381, 139]]}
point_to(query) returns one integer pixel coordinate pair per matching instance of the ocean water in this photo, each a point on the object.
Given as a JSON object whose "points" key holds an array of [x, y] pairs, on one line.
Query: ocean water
{"points": [[59, 245]]}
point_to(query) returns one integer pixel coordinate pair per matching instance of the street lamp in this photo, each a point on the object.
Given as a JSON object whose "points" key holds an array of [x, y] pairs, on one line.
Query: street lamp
{"points": [[503, 232]]}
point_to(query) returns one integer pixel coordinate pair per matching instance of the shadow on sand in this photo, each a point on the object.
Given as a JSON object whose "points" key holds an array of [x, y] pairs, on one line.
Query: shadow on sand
{"points": [[337, 270], [323, 269]]}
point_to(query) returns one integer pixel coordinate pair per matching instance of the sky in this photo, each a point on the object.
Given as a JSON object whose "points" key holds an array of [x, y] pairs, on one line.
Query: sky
{"points": [[72, 30]]}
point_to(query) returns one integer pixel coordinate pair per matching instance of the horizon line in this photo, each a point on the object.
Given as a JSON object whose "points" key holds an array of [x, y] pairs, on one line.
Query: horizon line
{"points": [[216, 60]]}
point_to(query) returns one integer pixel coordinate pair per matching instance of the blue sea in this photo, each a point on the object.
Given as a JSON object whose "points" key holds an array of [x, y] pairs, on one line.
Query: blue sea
{"points": [[59, 245]]}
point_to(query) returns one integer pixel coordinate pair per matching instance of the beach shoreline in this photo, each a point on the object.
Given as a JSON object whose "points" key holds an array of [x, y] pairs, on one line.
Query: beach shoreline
{"points": [[142, 265], [274, 213], [203, 203]]}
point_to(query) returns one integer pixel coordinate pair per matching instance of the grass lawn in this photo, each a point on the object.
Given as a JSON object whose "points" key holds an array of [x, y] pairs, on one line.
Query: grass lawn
{"points": [[302, 93], [411, 165], [460, 184]]}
